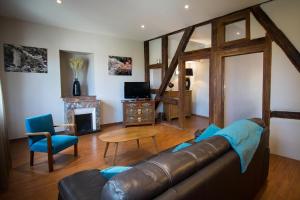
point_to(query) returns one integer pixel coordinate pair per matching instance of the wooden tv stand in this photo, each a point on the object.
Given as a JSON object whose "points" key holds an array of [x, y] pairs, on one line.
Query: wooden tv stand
{"points": [[138, 112]]}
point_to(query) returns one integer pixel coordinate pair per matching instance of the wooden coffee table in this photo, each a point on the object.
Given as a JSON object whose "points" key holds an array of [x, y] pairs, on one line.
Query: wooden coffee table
{"points": [[127, 134]]}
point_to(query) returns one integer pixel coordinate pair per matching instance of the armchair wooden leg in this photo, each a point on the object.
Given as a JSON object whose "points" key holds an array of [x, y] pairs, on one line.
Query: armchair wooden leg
{"points": [[31, 157], [75, 149], [50, 162]]}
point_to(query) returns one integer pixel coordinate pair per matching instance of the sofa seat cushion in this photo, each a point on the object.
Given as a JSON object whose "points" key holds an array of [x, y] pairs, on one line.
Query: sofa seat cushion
{"points": [[85, 185], [59, 143]]}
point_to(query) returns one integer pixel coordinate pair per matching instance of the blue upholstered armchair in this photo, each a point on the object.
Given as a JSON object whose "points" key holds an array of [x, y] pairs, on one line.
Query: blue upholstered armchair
{"points": [[42, 138]]}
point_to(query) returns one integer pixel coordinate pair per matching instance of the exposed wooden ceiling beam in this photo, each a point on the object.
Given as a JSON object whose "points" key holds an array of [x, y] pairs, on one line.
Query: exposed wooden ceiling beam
{"points": [[277, 36]]}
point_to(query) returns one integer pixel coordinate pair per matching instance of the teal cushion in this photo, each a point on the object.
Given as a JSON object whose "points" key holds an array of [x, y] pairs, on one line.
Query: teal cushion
{"points": [[112, 171], [181, 146], [210, 131], [41, 123], [59, 143]]}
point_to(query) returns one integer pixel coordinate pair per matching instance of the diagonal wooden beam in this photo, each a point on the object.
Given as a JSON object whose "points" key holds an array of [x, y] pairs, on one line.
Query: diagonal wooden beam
{"points": [[277, 36], [168, 75]]}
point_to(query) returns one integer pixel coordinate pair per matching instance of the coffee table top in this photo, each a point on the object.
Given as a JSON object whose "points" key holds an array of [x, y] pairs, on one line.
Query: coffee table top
{"points": [[127, 134]]}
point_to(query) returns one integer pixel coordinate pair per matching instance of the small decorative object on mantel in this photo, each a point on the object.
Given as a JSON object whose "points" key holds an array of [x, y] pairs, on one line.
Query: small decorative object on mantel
{"points": [[119, 65], [25, 59], [76, 64]]}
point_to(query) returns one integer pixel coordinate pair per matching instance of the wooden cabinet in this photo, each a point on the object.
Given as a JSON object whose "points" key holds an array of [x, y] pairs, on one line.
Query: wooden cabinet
{"points": [[171, 111], [138, 112]]}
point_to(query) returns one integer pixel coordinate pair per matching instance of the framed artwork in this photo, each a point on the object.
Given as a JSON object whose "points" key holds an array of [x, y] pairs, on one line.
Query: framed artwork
{"points": [[25, 59], [118, 65]]}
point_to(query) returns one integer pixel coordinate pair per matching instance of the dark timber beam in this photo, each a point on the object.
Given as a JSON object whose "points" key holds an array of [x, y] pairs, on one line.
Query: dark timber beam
{"points": [[196, 54], [169, 73], [164, 55], [277, 36], [146, 58], [182, 89], [285, 115], [155, 66]]}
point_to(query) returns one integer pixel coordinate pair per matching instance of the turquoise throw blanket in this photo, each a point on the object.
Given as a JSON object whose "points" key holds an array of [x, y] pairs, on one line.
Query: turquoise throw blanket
{"points": [[244, 137]]}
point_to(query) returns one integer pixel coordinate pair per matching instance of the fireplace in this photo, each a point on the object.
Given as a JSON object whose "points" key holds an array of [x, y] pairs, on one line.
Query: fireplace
{"points": [[84, 111], [84, 123]]}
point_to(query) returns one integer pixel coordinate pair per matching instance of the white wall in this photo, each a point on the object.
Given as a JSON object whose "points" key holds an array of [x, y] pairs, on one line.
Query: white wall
{"points": [[243, 81], [285, 95], [29, 94], [200, 86]]}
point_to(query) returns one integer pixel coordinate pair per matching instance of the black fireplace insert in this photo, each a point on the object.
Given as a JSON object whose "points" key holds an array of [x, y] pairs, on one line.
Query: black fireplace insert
{"points": [[84, 123]]}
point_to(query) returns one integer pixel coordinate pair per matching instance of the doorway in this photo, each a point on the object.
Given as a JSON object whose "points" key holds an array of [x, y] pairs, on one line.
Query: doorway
{"points": [[243, 87]]}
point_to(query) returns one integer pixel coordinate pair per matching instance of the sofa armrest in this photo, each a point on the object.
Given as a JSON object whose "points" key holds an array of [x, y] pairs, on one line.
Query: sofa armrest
{"points": [[199, 132]]}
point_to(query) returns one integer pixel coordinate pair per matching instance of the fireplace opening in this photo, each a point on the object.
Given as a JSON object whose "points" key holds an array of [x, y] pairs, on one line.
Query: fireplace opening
{"points": [[84, 123]]}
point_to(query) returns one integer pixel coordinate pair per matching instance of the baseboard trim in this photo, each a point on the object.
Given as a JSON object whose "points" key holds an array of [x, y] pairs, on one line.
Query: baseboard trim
{"points": [[200, 116], [110, 124]]}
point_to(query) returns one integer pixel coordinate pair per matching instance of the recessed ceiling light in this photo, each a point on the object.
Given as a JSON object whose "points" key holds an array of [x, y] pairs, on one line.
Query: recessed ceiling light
{"points": [[59, 1], [143, 26], [186, 6], [238, 33]]}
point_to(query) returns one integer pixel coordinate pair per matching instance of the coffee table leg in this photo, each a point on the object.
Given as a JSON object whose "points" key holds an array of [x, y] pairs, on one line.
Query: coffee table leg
{"points": [[115, 155], [106, 148], [138, 143], [155, 144]]}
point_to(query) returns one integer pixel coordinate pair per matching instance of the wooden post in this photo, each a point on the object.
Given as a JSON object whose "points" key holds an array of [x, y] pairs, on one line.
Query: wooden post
{"points": [[182, 91], [267, 64], [212, 65], [146, 58], [164, 53]]}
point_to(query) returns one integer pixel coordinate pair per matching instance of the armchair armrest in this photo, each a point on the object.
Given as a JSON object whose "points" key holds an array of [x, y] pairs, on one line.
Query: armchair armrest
{"points": [[65, 125], [72, 126], [47, 134]]}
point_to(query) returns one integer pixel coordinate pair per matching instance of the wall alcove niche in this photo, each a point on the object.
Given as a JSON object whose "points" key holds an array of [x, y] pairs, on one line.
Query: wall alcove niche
{"points": [[82, 110], [86, 77]]}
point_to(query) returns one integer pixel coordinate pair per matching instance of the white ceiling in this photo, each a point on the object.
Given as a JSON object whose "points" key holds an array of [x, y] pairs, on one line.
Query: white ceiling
{"points": [[121, 18]]}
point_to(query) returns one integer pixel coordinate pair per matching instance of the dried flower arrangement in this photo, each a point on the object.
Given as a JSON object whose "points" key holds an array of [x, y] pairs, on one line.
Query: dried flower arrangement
{"points": [[76, 64]]}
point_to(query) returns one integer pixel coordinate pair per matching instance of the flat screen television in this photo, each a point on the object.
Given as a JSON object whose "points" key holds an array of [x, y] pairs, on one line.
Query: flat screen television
{"points": [[134, 90]]}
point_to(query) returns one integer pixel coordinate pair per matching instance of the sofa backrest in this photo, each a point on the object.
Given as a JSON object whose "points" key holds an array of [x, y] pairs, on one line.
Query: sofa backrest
{"points": [[222, 178], [151, 178]]}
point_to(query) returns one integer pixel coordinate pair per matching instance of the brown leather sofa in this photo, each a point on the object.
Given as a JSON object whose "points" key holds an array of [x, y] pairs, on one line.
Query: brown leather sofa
{"points": [[206, 170]]}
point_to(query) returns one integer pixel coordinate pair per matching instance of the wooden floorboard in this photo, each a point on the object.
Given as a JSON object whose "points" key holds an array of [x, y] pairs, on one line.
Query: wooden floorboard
{"points": [[36, 183]]}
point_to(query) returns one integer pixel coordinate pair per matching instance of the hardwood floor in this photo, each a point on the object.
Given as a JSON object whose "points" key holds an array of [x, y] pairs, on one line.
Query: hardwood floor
{"points": [[36, 183]]}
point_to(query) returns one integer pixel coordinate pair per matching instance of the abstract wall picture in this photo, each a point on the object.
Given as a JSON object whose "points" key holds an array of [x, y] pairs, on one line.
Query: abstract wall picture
{"points": [[120, 65], [25, 59]]}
